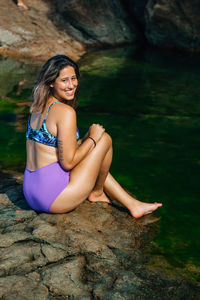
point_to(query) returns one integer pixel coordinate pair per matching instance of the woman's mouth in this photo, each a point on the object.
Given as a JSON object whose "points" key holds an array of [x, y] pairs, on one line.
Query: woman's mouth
{"points": [[69, 92]]}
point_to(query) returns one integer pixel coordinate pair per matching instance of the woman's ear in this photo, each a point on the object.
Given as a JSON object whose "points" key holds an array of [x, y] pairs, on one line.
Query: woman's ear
{"points": [[51, 85]]}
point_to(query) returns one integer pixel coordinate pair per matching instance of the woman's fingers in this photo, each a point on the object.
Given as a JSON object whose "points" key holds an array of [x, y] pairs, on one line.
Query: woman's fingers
{"points": [[96, 131], [101, 126]]}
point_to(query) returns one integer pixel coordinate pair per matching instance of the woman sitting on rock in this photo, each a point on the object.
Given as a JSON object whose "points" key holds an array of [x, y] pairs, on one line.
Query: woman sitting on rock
{"points": [[62, 170]]}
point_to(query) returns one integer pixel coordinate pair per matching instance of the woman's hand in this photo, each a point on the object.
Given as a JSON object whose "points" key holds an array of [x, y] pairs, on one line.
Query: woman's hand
{"points": [[96, 131], [70, 153]]}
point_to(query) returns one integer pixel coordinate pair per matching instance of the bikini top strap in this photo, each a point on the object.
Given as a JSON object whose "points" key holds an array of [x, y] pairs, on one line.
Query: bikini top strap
{"points": [[49, 109], [29, 119]]}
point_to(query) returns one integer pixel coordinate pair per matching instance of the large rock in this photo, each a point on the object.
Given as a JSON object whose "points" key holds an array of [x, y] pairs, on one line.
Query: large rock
{"points": [[173, 24], [97, 22], [71, 27], [94, 252], [52, 27], [32, 33]]}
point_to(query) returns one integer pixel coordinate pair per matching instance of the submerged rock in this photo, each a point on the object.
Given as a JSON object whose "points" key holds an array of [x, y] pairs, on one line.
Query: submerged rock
{"points": [[97, 251]]}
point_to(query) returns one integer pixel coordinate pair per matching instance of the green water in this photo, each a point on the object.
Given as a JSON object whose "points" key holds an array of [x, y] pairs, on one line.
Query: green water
{"points": [[149, 103]]}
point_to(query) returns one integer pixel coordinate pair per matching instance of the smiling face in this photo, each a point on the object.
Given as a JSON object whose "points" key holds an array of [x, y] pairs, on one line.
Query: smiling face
{"points": [[65, 85]]}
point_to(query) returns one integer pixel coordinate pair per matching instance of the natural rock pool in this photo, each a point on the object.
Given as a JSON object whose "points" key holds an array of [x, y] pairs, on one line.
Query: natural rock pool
{"points": [[149, 103]]}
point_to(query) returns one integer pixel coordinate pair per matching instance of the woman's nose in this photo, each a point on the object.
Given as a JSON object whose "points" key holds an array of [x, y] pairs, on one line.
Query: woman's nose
{"points": [[70, 84]]}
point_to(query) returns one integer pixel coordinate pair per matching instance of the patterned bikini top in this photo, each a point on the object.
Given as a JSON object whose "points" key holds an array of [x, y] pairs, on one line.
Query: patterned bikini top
{"points": [[42, 135]]}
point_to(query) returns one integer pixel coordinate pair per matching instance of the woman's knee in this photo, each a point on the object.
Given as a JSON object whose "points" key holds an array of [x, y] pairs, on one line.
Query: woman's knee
{"points": [[106, 138]]}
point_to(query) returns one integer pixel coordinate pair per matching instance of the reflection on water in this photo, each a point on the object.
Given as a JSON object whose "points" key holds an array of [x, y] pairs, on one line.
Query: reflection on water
{"points": [[149, 103], [16, 81]]}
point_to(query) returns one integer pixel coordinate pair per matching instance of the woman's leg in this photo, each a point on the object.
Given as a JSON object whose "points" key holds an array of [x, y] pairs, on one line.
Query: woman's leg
{"points": [[106, 182], [136, 208], [97, 194], [84, 176], [92, 175]]}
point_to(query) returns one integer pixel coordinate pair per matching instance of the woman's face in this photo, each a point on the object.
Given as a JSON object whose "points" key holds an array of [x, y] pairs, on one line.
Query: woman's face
{"points": [[65, 84]]}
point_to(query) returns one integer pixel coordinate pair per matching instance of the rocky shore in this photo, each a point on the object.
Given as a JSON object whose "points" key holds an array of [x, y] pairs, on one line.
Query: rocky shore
{"points": [[97, 251], [73, 27], [32, 34]]}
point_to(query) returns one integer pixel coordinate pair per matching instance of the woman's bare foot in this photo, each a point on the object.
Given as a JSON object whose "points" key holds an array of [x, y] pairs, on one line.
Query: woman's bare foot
{"points": [[98, 196], [21, 4], [139, 209]]}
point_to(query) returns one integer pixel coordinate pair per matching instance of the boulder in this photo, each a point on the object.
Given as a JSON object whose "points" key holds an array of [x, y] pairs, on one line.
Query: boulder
{"points": [[73, 27], [97, 251], [31, 34], [173, 24], [97, 23]]}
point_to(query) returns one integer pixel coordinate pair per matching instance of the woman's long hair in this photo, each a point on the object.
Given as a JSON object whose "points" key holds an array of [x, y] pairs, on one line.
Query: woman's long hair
{"points": [[50, 71]]}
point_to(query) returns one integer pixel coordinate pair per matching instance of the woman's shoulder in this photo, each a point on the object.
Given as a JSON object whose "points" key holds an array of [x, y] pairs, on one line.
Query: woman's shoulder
{"points": [[63, 110]]}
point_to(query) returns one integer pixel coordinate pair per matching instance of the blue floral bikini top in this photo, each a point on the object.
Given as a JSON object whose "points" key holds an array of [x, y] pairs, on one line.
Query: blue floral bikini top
{"points": [[42, 135]]}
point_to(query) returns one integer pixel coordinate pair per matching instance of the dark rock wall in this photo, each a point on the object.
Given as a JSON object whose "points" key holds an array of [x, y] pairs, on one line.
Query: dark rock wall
{"points": [[166, 24], [98, 22], [173, 24], [136, 9]]}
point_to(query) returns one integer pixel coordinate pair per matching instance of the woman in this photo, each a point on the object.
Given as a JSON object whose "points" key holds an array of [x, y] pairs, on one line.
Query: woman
{"points": [[62, 170]]}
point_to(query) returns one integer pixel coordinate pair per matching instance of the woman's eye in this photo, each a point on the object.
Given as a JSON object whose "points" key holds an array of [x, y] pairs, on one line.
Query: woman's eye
{"points": [[73, 78]]}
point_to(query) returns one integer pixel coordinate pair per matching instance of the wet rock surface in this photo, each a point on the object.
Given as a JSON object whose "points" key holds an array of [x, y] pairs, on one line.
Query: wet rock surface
{"points": [[98, 251]]}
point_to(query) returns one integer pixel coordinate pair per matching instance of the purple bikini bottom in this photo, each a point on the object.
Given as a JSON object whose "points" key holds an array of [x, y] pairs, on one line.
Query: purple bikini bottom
{"points": [[42, 186]]}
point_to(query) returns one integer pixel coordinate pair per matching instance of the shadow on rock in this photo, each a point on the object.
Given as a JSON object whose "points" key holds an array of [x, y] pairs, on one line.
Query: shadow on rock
{"points": [[13, 207]]}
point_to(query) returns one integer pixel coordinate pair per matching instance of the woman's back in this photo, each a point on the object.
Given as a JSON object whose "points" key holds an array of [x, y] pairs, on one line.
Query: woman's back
{"points": [[42, 138]]}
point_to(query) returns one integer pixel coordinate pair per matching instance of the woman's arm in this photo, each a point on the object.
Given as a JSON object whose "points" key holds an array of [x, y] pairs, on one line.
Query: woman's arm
{"points": [[69, 154]]}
